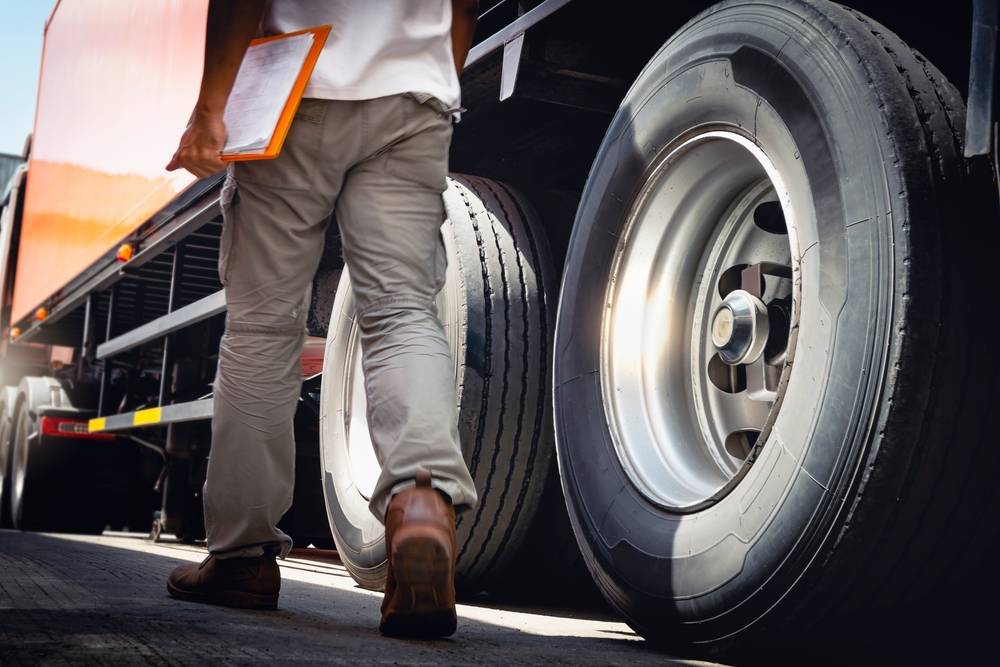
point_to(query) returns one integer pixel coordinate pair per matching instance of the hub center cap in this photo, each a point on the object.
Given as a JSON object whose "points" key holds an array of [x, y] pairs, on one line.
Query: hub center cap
{"points": [[740, 328]]}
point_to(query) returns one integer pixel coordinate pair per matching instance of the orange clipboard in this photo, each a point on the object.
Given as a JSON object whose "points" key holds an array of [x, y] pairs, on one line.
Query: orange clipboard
{"points": [[298, 88]]}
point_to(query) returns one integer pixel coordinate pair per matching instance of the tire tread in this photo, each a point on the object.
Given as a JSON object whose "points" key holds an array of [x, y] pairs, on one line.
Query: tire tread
{"points": [[511, 430]]}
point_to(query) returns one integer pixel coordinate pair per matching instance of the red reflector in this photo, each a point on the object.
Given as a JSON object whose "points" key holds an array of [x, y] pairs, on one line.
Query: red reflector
{"points": [[311, 358], [61, 427]]}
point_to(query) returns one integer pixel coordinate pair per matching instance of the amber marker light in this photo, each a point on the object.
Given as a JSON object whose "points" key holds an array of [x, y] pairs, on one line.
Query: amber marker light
{"points": [[15, 332], [41, 314], [125, 252]]}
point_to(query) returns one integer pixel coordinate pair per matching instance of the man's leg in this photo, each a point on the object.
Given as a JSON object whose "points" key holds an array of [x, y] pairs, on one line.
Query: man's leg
{"points": [[271, 248], [275, 212], [390, 213]]}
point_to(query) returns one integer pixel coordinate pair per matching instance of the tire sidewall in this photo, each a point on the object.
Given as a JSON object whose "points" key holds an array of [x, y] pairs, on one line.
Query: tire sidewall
{"points": [[357, 533], [725, 566]]}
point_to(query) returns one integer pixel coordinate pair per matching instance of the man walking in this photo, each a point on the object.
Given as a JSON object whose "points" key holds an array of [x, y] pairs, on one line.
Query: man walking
{"points": [[370, 142]]}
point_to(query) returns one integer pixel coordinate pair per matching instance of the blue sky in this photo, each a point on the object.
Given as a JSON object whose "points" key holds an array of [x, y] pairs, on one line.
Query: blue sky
{"points": [[21, 26]]}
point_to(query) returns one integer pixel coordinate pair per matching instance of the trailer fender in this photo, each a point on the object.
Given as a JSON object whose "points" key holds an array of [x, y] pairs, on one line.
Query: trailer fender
{"points": [[38, 393]]}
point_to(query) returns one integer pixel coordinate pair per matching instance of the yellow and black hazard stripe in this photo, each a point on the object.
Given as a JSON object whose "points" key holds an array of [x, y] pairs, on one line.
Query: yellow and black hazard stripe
{"points": [[159, 416]]}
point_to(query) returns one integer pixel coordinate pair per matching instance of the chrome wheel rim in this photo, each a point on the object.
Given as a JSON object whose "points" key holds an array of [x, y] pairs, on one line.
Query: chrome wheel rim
{"points": [[713, 222]]}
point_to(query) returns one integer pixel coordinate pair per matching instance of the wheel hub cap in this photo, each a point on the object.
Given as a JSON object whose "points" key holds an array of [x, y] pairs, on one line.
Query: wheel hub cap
{"points": [[740, 328]]}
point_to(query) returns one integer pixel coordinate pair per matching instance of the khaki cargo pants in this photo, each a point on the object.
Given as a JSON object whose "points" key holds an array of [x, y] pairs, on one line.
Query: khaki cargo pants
{"points": [[381, 165]]}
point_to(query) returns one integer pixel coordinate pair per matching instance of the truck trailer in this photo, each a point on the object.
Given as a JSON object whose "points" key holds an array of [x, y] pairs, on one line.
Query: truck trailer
{"points": [[718, 297]]}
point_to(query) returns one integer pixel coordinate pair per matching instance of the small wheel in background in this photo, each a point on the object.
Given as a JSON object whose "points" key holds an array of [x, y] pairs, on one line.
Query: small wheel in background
{"points": [[8, 398]]}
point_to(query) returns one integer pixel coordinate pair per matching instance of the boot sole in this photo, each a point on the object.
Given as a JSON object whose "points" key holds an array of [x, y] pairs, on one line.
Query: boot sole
{"points": [[237, 599], [424, 574]]}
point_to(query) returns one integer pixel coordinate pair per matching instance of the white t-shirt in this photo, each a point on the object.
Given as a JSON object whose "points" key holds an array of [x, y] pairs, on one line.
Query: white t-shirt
{"points": [[376, 47]]}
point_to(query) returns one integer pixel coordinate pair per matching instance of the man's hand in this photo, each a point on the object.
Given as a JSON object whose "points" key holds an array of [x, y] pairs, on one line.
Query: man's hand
{"points": [[228, 29], [201, 145]]}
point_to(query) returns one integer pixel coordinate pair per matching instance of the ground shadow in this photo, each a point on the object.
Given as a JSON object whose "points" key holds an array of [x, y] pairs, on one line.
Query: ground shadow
{"points": [[70, 601]]}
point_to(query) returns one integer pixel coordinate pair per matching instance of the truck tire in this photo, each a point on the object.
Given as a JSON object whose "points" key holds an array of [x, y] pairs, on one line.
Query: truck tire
{"points": [[548, 569], [57, 483], [498, 320], [799, 160], [8, 397]]}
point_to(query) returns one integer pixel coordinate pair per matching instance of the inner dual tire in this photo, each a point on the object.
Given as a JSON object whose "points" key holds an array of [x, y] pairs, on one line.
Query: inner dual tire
{"points": [[800, 151], [499, 321], [56, 484]]}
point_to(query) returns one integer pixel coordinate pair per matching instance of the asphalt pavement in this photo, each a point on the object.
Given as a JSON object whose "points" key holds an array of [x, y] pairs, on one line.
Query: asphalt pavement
{"points": [[81, 600]]}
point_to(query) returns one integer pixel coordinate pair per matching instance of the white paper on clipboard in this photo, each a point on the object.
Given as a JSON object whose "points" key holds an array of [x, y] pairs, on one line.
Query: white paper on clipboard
{"points": [[263, 84]]}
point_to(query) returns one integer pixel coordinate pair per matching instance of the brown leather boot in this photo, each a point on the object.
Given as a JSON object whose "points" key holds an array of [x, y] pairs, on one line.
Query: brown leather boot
{"points": [[420, 542], [250, 583]]}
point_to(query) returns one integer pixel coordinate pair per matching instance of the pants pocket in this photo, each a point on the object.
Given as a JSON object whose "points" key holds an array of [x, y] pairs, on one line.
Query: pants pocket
{"points": [[228, 205], [421, 157]]}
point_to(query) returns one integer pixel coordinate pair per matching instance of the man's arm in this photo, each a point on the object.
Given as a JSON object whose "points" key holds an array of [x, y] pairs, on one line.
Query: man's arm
{"points": [[464, 14], [230, 27]]}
